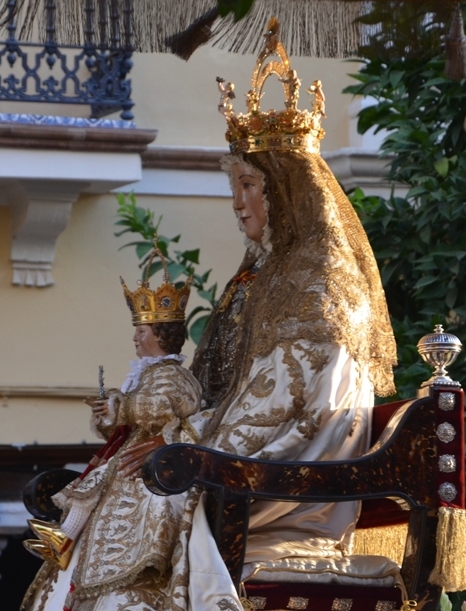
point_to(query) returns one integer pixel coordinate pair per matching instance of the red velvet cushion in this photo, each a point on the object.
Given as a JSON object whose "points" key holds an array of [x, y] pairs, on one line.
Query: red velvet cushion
{"points": [[381, 415], [381, 512]]}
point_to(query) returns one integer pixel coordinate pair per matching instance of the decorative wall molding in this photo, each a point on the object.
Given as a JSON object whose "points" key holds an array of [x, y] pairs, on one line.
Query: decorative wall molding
{"points": [[363, 168], [67, 136], [34, 119], [191, 171], [38, 456], [47, 392], [181, 183], [44, 167], [40, 212], [183, 158]]}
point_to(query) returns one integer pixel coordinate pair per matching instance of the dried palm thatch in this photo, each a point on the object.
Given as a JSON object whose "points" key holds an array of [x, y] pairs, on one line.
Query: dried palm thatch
{"points": [[323, 28], [318, 28]]}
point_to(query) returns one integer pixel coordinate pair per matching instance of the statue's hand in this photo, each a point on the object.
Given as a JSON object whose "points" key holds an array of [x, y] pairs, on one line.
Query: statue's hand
{"points": [[99, 406], [131, 459]]}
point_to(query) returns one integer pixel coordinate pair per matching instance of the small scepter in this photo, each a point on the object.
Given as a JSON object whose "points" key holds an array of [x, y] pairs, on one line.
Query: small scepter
{"points": [[105, 421], [102, 394]]}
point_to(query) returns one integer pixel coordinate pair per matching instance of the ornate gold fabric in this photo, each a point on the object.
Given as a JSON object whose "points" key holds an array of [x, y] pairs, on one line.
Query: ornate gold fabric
{"points": [[322, 278], [130, 541], [217, 357], [320, 282], [387, 541], [450, 571], [129, 531]]}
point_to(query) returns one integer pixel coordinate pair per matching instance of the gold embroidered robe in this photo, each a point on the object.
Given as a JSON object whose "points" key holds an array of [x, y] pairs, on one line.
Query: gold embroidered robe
{"points": [[302, 402], [127, 546]]}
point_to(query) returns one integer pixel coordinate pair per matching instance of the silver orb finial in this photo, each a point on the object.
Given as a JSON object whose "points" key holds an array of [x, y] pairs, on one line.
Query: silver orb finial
{"points": [[439, 349]]}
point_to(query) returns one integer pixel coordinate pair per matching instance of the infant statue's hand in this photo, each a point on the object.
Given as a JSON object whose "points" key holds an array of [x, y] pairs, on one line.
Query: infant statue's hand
{"points": [[99, 406]]}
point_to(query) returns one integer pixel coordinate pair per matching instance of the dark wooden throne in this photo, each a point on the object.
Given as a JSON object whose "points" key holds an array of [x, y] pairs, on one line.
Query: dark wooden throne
{"points": [[401, 464]]}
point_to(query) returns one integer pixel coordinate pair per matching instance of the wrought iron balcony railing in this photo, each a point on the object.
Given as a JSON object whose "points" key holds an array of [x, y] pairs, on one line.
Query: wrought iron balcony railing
{"points": [[94, 74]]}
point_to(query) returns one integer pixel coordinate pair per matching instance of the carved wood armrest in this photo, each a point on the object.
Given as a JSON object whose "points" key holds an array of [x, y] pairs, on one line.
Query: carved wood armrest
{"points": [[39, 490], [401, 464]]}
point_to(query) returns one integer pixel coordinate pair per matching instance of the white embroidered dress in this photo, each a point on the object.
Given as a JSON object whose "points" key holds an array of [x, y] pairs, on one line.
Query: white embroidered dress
{"points": [[333, 424], [131, 535]]}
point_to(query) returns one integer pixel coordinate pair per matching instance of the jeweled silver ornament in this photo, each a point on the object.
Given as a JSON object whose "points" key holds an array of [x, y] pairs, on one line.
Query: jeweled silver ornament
{"points": [[342, 604], [259, 602], [447, 463], [439, 349], [385, 605], [446, 432], [446, 401], [447, 492], [297, 602]]}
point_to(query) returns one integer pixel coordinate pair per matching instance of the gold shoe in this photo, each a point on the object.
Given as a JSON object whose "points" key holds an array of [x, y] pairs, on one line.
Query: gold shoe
{"points": [[64, 558], [51, 533], [40, 549], [43, 550], [61, 545]]}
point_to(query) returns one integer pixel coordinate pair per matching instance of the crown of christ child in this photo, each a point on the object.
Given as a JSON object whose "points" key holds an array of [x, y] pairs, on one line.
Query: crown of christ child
{"points": [[164, 304]]}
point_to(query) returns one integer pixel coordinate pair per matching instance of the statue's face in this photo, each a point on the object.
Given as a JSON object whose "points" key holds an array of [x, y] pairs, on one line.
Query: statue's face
{"points": [[248, 201], [146, 342]]}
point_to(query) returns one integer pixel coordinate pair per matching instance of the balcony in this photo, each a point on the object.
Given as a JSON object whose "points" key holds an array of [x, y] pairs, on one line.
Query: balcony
{"points": [[48, 160]]}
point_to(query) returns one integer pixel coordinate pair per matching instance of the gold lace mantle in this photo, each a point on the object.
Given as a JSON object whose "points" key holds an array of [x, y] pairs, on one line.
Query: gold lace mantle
{"points": [[320, 282]]}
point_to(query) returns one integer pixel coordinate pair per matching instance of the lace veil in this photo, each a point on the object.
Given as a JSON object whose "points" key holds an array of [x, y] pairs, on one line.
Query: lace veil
{"points": [[320, 282]]}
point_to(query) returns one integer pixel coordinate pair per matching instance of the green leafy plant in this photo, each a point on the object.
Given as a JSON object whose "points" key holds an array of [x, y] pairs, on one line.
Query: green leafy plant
{"points": [[419, 240], [239, 8], [403, 28], [181, 263]]}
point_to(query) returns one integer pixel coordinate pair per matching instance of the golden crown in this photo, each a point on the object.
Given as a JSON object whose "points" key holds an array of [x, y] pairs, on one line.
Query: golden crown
{"points": [[165, 304], [273, 130]]}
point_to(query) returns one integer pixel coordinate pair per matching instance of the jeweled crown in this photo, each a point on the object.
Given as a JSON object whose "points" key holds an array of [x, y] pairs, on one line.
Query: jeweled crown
{"points": [[165, 304], [272, 130]]}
